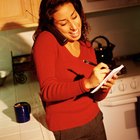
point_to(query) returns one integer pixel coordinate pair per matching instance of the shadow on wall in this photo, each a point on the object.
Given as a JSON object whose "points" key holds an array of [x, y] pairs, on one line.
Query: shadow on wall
{"points": [[18, 41]]}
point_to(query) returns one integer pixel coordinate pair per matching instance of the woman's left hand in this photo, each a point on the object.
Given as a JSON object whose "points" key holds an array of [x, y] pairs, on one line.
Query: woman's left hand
{"points": [[110, 82]]}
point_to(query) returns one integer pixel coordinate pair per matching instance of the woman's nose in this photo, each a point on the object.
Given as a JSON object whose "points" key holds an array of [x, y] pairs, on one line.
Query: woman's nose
{"points": [[72, 26]]}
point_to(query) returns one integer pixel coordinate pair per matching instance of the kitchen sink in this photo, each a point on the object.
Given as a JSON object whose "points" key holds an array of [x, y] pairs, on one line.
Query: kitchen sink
{"points": [[3, 76]]}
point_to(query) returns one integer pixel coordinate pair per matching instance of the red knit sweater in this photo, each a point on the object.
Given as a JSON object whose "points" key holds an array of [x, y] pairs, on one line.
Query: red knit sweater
{"points": [[61, 76]]}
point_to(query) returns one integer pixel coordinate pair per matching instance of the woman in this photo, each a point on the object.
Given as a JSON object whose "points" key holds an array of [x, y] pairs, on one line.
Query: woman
{"points": [[60, 47]]}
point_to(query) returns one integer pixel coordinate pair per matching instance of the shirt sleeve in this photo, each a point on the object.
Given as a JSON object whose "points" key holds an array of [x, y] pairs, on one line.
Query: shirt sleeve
{"points": [[45, 53], [100, 94]]}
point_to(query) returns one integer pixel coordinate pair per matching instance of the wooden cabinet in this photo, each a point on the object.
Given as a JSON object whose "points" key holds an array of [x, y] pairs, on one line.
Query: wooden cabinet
{"points": [[18, 13], [102, 5]]}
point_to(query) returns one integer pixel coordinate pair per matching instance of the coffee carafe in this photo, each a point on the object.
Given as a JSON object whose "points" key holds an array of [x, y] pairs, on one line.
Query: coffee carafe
{"points": [[104, 50]]}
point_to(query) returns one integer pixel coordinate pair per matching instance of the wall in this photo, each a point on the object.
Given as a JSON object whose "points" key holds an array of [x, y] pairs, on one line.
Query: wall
{"points": [[121, 26], [18, 42]]}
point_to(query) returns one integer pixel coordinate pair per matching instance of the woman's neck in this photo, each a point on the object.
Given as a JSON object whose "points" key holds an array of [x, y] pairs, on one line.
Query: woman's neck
{"points": [[73, 48]]}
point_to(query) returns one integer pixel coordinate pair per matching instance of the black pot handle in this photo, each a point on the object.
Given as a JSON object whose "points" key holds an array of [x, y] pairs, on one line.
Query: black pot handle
{"points": [[109, 44]]}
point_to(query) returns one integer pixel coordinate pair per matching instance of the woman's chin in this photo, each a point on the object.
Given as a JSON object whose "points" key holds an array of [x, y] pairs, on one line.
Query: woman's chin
{"points": [[74, 38]]}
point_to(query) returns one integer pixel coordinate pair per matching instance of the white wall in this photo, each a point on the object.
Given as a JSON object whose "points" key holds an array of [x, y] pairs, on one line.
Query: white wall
{"points": [[17, 41], [121, 26]]}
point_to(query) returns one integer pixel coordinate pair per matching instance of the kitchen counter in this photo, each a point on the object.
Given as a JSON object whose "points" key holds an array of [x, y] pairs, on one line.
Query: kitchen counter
{"points": [[132, 68], [132, 64], [36, 128]]}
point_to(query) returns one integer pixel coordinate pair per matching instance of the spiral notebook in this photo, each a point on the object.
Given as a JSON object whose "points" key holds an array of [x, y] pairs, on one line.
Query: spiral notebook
{"points": [[110, 75]]}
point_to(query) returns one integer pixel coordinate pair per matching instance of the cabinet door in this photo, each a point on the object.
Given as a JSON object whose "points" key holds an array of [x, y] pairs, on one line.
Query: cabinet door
{"points": [[35, 12], [102, 5], [18, 13]]}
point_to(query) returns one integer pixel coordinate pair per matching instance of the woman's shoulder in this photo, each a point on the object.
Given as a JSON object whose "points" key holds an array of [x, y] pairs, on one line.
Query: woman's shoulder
{"points": [[46, 35], [45, 40], [86, 43]]}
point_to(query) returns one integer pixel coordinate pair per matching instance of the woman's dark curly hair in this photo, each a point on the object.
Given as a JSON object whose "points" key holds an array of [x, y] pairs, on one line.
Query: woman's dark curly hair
{"points": [[48, 8]]}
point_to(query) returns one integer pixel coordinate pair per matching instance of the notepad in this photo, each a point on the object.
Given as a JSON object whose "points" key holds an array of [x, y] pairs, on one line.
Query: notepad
{"points": [[109, 76]]}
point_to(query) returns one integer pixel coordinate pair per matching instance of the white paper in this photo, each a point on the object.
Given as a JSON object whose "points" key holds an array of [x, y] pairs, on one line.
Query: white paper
{"points": [[109, 76]]}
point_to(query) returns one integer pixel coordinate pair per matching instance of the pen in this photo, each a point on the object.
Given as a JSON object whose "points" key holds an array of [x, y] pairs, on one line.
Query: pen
{"points": [[88, 62]]}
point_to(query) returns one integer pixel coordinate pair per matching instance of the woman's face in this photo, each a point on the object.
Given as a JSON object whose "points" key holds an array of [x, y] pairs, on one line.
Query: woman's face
{"points": [[68, 21]]}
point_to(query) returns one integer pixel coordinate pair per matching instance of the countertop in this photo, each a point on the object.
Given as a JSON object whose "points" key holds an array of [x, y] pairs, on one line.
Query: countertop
{"points": [[36, 128], [131, 64]]}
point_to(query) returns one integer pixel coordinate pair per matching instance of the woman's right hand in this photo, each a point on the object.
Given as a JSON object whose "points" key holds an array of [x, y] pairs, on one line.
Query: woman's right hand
{"points": [[97, 76]]}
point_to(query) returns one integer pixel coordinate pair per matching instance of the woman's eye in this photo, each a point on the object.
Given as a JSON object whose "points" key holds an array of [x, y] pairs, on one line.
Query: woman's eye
{"points": [[74, 17], [63, 24]]}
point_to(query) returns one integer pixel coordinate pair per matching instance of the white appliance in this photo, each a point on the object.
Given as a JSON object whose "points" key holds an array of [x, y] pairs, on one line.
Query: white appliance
{"points": [[119, 107]]}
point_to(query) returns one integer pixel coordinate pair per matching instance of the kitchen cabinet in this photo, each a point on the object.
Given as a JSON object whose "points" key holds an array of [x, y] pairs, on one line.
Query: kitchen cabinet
{"points": [[102, 5], [18, 13]]}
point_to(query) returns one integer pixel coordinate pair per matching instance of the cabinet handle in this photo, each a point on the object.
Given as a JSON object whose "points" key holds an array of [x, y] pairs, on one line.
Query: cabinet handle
{"points": [[31, 14]]}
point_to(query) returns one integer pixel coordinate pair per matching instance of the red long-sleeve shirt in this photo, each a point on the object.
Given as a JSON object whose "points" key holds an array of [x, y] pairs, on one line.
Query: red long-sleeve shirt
{"points": [[61, 77]]}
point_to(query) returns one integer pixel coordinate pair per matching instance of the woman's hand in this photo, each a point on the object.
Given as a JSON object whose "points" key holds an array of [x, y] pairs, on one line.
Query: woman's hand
{"points": [[110, 82], [97, 76]]}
